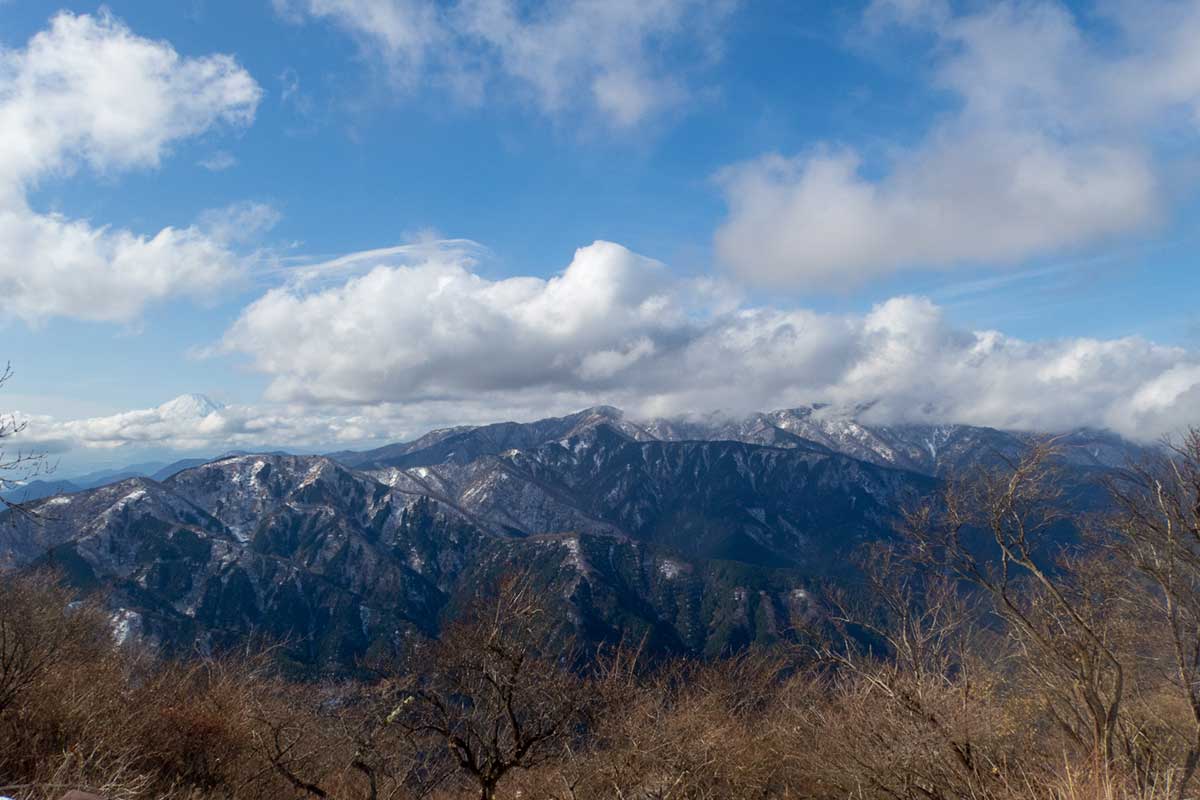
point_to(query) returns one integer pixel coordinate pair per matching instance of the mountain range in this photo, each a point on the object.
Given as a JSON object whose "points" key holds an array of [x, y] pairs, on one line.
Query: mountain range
{"points": [[697, 535]]}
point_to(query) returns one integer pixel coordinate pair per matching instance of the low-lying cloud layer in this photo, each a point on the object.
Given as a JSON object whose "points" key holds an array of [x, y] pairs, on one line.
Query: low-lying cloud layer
{"points": [[1051, 146], [616, 327], [196, 424], [87, 92]]}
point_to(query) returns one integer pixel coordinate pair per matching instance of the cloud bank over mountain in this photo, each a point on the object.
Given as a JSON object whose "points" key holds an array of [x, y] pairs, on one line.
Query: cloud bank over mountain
{"points": [[414, 339], [617, 327]]}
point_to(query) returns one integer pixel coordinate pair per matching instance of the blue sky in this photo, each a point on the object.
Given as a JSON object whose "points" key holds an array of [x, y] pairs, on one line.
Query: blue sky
{"points": [[976, 210]]}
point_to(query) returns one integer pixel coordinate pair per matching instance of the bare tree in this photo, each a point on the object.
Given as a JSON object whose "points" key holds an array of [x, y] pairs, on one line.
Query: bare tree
{"points": [[493, 692], [342, 738], [1157, 527], [290, 747], [905, 646], [998, 530], [38, 630], [688, 729], [19, 466]]}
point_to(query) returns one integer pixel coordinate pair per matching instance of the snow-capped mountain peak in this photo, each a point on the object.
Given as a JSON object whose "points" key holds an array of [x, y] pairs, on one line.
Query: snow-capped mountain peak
{"points": [[189, 406]]}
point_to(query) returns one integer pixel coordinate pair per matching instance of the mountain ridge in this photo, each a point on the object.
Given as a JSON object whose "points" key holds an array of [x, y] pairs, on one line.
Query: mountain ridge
{"points": [[916, 446], [634, 529]]}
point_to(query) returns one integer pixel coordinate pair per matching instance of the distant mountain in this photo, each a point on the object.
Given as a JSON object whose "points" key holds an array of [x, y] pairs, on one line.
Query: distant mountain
{"points": [[936, 450], [166, 471], [38, 489], [939, 450], [463, 445], [48, 487], [158, 470], [189, 406], [721, 499], [701, 535]]}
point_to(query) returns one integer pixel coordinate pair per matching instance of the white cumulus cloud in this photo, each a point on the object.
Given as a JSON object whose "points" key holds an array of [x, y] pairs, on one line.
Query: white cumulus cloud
{"points": [[1049, 148], [195, 423], [449, 331], [88, 92], [385, 345], [420, 335]]}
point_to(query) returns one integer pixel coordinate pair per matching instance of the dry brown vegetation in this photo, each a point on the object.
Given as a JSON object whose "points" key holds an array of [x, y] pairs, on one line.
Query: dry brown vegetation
{"points": [[980, 658]]}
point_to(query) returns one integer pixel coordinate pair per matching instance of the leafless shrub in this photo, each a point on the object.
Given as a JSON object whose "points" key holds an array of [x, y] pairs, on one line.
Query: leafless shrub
{"points": [[1156, 531], [997, 531], [490, 692]]}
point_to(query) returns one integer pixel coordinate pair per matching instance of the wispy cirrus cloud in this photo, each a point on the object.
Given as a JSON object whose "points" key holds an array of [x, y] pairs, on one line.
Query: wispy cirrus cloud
{"points": [[623, 59], [218, 161]]}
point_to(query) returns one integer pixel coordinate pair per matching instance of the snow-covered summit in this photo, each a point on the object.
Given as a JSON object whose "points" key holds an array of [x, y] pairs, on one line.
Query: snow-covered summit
{"points": [[189, 406]]}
